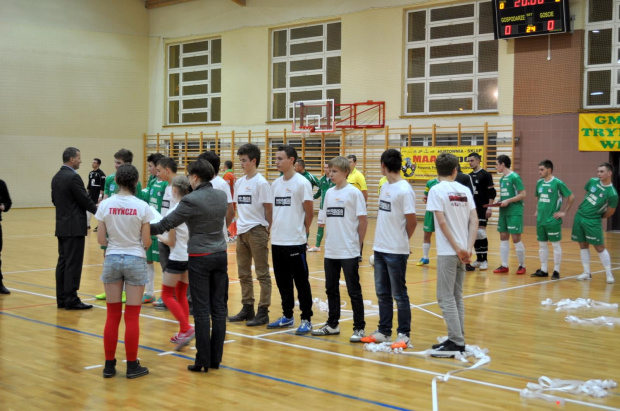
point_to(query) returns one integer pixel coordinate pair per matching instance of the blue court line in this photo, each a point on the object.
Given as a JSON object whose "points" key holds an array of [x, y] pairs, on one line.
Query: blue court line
{"points": [[296, 384]]}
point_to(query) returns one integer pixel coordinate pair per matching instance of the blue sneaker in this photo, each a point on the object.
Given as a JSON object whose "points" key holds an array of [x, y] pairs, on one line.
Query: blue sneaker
{"points": [[304, 328], [423, 261], [282, 323]]}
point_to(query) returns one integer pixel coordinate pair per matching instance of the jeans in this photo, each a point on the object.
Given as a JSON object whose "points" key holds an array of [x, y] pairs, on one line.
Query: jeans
{"points": [[390, 282], [350, 267], [450, 277], [254, 244], [122, 267], [290, 266], [208, 283]]}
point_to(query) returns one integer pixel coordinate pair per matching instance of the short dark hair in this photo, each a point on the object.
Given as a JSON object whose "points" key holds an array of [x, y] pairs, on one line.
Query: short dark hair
{"points": [[98, 160], [125, 155], [250, 150], [505, 160], [392, 159], [127, 177], [445, 163], [154, 158], [608, 166], [211, 158], [168, 162], [69, 153], [353, 157], [475, 155], [301, 162], [546, 164], [228, 164], [290, 152], [201, 169]]}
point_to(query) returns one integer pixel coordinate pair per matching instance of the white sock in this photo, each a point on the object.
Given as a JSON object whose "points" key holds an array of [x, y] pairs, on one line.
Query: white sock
{"points": [[585, 259], [150, 286], [520, 249], [426, 247], [557, 255], [605, 260], [543, 253], [504, 251]]}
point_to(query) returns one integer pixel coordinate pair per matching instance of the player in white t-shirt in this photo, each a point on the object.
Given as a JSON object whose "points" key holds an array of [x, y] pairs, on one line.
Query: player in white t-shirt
{"points": [[346, 221], [396, 222], [456, 223], [220, 184], [124, 228], [254, 207], [292, 217]]}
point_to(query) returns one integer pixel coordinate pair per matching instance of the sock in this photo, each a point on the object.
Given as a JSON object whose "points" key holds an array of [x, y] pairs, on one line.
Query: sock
{"points": [[182, 299], [477, 248], [319, 236], [150, 286], [543, 253], [110, 331], [520, 249], [605, 260], [426, 247], [504, 251], [557, 255], [585, 259], [167, 294], [132, 331]]}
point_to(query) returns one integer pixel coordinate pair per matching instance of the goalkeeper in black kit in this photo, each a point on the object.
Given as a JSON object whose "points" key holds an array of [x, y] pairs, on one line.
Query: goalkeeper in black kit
{"points": [[484, 193]]}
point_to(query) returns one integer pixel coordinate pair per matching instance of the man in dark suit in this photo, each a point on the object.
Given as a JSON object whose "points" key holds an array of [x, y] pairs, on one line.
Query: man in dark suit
{"points": [[72, 202]]}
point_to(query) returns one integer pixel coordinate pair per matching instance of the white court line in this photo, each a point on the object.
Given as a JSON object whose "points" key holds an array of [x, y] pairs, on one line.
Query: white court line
{"points": [[93, 366], [46, 269], [166, 353]]}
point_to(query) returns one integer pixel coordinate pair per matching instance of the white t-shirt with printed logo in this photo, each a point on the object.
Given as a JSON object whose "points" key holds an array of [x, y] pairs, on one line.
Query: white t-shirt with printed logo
{"points": [[250, 196], [288, 210], [179, 251], [341, 209], [220, 184], [167, 201], [456, 202], [123, 216], [395, 200]]}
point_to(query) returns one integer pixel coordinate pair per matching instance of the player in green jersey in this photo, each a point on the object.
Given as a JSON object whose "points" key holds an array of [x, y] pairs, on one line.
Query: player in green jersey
{"points": [[510, 223], [325, 183], [429, 225], [300, 167], [600, 202], [552, 193]]}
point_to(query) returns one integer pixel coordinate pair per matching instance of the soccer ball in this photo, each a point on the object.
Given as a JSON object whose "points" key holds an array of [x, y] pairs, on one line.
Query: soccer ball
{"points": [[372, 260]]}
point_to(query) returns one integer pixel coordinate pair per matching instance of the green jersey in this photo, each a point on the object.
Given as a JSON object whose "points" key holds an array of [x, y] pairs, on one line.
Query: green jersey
{"points": [[324, 185], [550, 196], [429, 185], [598, 198], [314, 182], [112, 188], [509, 187], [154, 192]]}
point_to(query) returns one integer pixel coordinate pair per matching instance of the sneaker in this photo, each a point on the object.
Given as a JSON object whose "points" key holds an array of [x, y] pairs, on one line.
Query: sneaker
{"points": [[314, 249], [447, 349], [521, 270], [124, 297], [357, 336], [282, 322], [232, 239], [376, 337], [484, 265], [584, 276], [540, 273], [501, 270], [146, 299], [175, 338], [476, 264], [610, 278], [555, 276], [109, 370], [304, 328], [469, 267], [402, 341], [423, 261], [435, 346], [184, 338], [135, 370], [100, 296], [159, 304], [326, 330]]}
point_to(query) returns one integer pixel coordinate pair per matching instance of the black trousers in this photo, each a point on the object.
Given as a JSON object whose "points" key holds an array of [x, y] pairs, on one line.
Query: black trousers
{"points": [[350, 267], [69, 270], [0, 252], [290, 267]]}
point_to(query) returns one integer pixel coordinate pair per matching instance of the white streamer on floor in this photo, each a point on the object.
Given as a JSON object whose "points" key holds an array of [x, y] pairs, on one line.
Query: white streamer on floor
{"points": [[594, 388], [593, 321], [568, 304]]}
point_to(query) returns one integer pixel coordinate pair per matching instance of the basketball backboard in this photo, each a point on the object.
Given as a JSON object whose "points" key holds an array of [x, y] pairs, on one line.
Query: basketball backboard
{"points": [[314, 116]]}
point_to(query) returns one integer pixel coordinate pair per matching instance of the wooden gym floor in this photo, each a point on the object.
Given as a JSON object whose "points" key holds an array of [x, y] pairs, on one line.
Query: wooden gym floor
{"points": [[51, 359]]}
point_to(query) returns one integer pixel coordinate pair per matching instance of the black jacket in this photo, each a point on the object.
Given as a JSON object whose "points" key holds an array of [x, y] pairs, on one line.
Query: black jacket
{"points": [[5, 198], [71, 201]]}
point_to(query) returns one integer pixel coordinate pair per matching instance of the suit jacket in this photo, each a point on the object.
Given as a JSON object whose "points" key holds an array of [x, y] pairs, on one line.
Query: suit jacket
{"points": [[71, 201]]}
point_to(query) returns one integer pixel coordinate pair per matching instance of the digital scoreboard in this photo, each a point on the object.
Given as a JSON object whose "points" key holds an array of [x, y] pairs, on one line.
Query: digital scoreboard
{"points": [[522, 18]]}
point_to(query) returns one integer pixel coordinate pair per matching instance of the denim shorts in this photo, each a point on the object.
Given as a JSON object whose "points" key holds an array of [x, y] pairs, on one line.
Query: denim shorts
{"points": [[123, 267]]}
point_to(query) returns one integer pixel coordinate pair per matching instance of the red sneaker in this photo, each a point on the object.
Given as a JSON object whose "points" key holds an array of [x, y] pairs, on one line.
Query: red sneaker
{"points": [[501, 270], [521, 270]]}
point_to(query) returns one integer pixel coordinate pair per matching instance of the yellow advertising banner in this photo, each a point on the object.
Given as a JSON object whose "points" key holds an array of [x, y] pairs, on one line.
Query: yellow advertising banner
{"points": [[599, 132], [419, 162]]}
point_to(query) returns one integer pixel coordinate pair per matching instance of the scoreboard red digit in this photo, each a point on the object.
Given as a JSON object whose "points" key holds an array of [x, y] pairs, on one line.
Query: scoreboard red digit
{"points": [[522, 18]]}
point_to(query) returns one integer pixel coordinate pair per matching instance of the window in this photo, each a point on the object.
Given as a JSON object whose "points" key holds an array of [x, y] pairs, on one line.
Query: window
{"points": [[194, 82], [451, 60], [305, 65], [602, 54]]}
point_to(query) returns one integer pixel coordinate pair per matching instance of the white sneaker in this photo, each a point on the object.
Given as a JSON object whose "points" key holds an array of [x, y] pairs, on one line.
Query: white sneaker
{"points": [[584, 276], [484, 265], [475, 264], [357, 335], [314, 249], [402, 341], [326, 330], [610, 278]]}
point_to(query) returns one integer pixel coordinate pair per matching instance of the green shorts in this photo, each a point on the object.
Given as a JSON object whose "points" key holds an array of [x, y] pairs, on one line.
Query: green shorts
{"points": [[152, 254], [587, 230], [549, 232], [512, 224], [429, 222]]}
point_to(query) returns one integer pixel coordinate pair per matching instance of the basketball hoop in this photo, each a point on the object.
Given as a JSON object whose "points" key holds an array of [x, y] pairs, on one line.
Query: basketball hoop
{"points": [[306, 130]]}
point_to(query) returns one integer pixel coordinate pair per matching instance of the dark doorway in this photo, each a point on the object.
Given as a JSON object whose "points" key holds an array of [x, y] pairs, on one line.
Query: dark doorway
{"points": [[614, 158]]}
